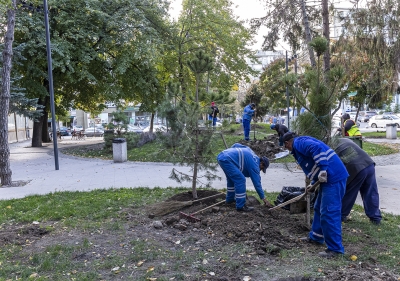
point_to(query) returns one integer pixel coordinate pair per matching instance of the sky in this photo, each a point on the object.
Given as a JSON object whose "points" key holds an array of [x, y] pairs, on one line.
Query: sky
{"points": [[245, 9], [248, 9]]}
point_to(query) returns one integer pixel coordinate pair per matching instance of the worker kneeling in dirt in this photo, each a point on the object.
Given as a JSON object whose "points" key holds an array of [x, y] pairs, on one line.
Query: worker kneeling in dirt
{"points": [[239, 162], [320, 162], [281, 129], [362, 179]]}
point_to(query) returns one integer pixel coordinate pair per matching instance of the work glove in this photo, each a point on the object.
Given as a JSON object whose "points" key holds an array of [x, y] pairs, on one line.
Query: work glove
{"points": [[323, 176]]}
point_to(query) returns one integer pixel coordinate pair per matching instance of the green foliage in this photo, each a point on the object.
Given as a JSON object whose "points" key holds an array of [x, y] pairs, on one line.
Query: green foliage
{"points": [[119, 122], [255, 95]]}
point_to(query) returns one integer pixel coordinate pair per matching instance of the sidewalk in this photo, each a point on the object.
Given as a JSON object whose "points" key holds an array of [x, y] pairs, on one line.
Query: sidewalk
{"points": [[37, 166]]}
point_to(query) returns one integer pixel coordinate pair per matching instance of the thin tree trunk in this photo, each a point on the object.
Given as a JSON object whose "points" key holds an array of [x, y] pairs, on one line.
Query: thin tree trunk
{"points": [[151, 123], [325, 21], [307, 33], [194, 182], [5, 170]]}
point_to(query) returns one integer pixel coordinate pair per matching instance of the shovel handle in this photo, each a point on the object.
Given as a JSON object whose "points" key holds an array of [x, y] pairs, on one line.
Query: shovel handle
{"points": [[223, 201], [297, 198]]}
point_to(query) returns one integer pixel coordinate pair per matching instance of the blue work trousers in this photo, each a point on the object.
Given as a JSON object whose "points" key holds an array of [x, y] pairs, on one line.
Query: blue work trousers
{"points": [[365, 182], [246, 129], [327, 223], [235, 181], [213, 119]]}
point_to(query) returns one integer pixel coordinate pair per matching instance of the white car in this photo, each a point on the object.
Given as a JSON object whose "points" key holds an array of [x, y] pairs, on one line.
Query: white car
{"points": [[156, 128], [90, 132], [381, 121]]}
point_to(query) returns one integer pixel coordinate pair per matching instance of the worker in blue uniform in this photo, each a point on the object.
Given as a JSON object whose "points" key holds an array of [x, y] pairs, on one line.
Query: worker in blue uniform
{"points": [[361, 169], [281, 130], [320, 162], [247, 115], [239, 162]]}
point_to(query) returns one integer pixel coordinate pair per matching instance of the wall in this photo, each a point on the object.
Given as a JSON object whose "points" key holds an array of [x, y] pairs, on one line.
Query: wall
{"points": [[19, 128]]}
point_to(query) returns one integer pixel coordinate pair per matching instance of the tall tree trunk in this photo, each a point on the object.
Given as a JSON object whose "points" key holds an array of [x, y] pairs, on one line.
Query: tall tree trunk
{"points": [[151, 123], [325, 22], [40, 131], [307, 31], [5, 171]]}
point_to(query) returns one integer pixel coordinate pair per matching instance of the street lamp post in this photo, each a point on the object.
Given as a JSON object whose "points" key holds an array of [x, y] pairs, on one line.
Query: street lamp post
{"points": [[50, 73]]}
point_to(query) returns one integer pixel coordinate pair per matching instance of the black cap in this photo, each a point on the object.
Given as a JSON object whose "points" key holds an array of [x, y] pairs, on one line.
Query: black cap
{"points": [[288, 136], [264, 160], [253, 105], [345, 116]]}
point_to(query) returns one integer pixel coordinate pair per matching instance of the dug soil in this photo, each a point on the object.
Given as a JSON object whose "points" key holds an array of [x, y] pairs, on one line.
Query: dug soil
{"points": [[218, 243]]}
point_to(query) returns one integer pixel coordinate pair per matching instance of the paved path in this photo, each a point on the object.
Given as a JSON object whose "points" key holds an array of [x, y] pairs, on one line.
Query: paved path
{"points": [[36, 165]]}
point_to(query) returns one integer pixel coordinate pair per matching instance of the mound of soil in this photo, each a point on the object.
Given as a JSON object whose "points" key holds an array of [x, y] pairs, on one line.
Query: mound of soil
{"points": [[269, 146], [268, 233]]}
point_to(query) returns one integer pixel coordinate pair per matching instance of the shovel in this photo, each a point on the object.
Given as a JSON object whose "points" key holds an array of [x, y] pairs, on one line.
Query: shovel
{"points": [[192, 218], [297, 198]]}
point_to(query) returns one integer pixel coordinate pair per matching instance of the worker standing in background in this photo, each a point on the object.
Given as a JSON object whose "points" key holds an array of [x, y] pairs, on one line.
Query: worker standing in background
{"points": [[247, 116], [212, 115]]}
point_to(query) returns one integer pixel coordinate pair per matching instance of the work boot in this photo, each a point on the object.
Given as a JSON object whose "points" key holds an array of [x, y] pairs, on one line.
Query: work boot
{"points": [[309, 240], [245, 209], [375, 222], [329, 254]]}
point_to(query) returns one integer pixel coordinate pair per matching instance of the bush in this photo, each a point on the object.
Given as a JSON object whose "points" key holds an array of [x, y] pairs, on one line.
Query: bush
{"points": [[132, 139]]}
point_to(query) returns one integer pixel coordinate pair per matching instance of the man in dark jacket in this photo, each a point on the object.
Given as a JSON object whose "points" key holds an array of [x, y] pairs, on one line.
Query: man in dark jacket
{"points": [[362, 179], [320, 162], [212, 115], [281, 129]]}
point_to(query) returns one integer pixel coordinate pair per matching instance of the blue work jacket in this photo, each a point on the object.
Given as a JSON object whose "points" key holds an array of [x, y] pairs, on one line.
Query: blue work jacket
{"points": [[248, 163], [248, 112], [314, 156]]}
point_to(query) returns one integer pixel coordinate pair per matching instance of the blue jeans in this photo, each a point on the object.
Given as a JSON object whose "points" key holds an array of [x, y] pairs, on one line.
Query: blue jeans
{"points": [[327, 223], [213, 119], [365, 182], [235, 181], [246, 129]]}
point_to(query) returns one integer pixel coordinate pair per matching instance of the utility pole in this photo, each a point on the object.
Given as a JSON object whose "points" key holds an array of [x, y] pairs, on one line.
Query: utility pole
{"points": [[287, 94]]}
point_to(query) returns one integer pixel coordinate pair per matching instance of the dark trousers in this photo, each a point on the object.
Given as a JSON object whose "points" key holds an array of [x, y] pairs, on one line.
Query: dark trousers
{"points": [[365, 182]]}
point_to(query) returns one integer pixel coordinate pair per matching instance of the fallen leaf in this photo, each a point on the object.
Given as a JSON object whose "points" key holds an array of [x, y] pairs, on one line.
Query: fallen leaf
{"points": [[211, 273], [140, 263], [8, 207], [33, 275], [178, 242], [115, 268], [205, 261], [353, 257], [152, 279], [222, 261], [151, 268]]}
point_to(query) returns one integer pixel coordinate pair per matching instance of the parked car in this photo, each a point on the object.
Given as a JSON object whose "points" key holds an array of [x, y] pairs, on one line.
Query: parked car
{"points": [[90, 132], [364, 116], [134, 129], [381, 121], [156, 128], [78, 128], [64, 131]]}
